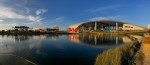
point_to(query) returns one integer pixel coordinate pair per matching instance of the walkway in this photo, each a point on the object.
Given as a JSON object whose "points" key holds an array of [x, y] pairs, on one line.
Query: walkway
{"points": [[143, 55]]}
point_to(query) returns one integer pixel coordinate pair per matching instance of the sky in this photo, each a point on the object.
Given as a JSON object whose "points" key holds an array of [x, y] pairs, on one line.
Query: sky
{"points": [[63, 13]]}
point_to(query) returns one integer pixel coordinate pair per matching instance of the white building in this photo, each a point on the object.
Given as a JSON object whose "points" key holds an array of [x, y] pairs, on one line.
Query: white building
{"points": [[55, 27], [132, 27], [148, 27]]}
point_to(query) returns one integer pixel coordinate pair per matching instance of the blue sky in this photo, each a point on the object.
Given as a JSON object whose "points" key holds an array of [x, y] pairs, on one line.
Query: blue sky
{"points": [[62, 13]]}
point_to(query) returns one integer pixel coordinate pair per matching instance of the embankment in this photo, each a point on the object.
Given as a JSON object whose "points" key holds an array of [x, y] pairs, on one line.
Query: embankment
{"points": [[119, 56]]}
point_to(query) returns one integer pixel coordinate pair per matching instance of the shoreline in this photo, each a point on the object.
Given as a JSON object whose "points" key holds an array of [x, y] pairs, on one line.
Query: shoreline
{"points": [[122, 55], [97, 33]]}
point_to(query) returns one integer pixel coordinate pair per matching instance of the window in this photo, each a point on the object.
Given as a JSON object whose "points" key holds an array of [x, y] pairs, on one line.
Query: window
{"points": [[128, 27]]}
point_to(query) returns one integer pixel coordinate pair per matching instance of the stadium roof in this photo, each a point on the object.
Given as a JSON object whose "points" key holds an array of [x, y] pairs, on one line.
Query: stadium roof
{"points": [[109, 22]]}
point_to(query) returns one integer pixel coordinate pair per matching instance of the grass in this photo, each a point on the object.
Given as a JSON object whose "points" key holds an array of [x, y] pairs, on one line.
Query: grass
{"points": [[118, 56]]}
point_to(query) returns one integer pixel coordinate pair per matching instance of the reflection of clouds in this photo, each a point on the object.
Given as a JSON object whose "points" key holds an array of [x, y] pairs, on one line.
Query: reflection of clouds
{"points": [[36, 45], [12, 47], [5, 48], [11, 59], [30, 48], [38, 52]]}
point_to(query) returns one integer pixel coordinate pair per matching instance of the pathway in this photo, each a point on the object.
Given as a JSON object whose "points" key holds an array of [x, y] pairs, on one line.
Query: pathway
{"points": [[143, 55]]}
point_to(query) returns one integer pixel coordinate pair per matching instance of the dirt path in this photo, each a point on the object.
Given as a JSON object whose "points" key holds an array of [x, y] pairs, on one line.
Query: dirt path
{"points": [[143, 55]]}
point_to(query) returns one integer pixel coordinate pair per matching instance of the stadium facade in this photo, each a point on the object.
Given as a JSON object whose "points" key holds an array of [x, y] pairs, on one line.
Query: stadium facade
{"points": [[104, 25]]}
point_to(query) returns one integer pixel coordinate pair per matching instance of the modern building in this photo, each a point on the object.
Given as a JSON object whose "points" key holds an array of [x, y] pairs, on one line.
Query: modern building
{"points": [[55, 27], [103, 25], [20, 28]]}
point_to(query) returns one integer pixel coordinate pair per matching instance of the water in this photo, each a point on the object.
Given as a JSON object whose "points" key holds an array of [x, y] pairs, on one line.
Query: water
{"points": [[56, 49]]}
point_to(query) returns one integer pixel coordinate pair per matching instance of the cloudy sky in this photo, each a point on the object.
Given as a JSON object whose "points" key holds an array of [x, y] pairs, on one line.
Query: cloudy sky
{"points": [[48, 13]]}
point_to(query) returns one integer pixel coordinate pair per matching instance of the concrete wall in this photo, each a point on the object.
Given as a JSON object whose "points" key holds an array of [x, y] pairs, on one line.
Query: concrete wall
{"points": [[149, 26], [132, 27]]}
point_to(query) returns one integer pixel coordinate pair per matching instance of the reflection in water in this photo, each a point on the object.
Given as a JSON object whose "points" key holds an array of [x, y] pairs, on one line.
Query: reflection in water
{"points": [[45, 50], [20, 38], [8, 59], [74, 38], [54, 37], [93, 39]]}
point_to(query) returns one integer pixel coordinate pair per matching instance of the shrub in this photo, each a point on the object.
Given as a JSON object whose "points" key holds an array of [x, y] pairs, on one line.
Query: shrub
{"points": [[118, 56]]}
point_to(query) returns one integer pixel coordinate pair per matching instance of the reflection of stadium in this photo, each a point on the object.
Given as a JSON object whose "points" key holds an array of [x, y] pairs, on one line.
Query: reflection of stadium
{"points": [[74, 38], [92, 39], [105, 25]]}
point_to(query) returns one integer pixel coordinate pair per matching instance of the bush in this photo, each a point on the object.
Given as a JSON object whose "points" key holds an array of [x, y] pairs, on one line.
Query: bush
{"points": [[118, 56]]}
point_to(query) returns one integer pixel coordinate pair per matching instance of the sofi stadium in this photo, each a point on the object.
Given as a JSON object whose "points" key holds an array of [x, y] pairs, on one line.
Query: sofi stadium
{"points": [[104, 25]]}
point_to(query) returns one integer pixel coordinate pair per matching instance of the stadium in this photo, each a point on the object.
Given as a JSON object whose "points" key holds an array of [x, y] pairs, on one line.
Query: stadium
{"points": [[104, 25]]}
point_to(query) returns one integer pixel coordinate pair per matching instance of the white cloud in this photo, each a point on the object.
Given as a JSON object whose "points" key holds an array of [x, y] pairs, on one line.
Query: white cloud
{"points": [[106, 18], [14, 21], [59, 19], [35, 19], [27, 10], [9, 13], [1, 20], [4, 26], [29, 23], [12, 24], [102, 9], [40, 11]]}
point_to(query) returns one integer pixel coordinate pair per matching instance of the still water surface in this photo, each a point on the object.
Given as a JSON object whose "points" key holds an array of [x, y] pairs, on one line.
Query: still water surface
{"points": [[56, 49]]}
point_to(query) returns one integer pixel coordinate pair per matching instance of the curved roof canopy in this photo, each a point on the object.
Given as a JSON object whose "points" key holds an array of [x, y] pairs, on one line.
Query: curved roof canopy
{"points": [[112, 23]]}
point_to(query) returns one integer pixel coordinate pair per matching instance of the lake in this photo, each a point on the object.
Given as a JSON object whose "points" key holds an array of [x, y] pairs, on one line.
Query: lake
{"points": [[56, 49]]}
